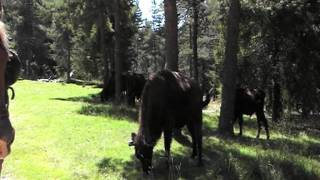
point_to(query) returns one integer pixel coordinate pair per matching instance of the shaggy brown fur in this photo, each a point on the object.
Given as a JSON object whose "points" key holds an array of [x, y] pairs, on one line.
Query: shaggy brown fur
{"points": [[132, 86], [6, 129], [250, 101], [169, 101]]}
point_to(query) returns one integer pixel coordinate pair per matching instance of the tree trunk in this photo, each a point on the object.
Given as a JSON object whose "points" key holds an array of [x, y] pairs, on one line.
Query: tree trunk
{"points": [[276, 89], [117, 58], [230, 70], [1, 10], [29, 35], [171, 21], [194, 40], [276, 102], [102, 38], [190, 55], [102, 34], [69, 63]]}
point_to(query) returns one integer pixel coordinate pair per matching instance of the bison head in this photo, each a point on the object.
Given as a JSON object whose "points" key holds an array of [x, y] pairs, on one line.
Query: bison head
{"points": [[143, 151]]}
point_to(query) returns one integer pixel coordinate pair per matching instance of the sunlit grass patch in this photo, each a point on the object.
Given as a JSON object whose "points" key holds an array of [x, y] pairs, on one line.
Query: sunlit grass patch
{"points": [[64, 132]]}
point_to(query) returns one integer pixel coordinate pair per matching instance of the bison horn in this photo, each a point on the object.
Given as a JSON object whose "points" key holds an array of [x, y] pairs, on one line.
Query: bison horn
{"points": [[131, 143]]}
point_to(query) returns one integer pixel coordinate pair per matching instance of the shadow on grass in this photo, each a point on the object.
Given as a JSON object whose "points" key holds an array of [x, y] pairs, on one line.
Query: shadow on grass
{"points": [[91, 98], [306, 149], [221, 162], [290, 127], [119, 112], [94, 107]]}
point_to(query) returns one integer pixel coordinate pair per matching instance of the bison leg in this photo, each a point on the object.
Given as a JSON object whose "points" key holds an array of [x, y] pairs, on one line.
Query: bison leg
{"points": [[266, 126], [259, 127], [194, 142], [131, 99], [167, 144], [196, 134], [199, 143], [262, 118], [240, 124]]}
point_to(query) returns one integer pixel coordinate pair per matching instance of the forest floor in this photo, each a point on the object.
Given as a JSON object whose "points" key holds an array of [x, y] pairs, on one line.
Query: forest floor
{"points": [[63, 132]]}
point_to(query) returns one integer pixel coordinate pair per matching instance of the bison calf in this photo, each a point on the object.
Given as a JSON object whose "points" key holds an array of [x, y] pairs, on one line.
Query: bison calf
{"points": [[250, 101], [169, 101]]}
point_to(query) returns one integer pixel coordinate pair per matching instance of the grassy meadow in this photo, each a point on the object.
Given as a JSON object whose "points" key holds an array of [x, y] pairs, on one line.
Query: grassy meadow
{"points": [[63, 132]]}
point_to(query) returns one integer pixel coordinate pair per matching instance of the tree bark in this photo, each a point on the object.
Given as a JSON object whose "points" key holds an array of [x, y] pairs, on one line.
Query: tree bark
{"points": [[102, 34], [117, 58], [195, 40], [276, 89], [171, 29], [276, 102], [29, 35], [1, 10], [69, 63], [190, 55], [230, 70]]}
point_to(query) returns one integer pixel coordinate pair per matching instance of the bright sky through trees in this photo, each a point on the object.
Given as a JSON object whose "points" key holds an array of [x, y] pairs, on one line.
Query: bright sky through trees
{"points": [[146, 8]]}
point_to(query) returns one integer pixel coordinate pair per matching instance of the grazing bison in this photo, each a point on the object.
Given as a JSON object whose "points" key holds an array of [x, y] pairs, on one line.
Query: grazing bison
{"points": [[250, 101], [132, 86], [169, 100]]}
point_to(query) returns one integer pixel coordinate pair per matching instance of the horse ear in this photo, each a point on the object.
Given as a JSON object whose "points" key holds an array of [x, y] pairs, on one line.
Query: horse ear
{"points": [[132, 142]]}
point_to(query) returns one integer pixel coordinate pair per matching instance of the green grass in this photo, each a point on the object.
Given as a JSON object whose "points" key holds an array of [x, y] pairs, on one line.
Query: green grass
{"points": [[62, 132]]}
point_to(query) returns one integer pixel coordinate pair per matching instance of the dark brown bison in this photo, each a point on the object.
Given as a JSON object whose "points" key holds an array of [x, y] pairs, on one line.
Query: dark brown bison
{"points": [[169, 101], [9, 75], [132, 86], [248, 102], [13, 68]]}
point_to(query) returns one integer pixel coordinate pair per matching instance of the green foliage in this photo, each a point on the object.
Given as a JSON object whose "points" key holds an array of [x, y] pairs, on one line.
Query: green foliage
{"points": [[280, 42], [28, 23]]}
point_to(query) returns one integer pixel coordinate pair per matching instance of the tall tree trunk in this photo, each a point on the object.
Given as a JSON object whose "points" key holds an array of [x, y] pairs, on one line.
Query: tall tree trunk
{"points": [[276, 102], [190, 55], [230, 70], [117, 58], [69, 63], [195, 40], [171, 21], [276, 90], [29, 35], [1, 10], [102, 37]]}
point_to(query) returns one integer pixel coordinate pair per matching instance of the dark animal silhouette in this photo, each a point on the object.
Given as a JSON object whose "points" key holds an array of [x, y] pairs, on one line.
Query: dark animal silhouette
{"points": [[12, 69], [132, 86], [108, 91], [169, 101], [7, 132], [12, 73], [248, 102]]}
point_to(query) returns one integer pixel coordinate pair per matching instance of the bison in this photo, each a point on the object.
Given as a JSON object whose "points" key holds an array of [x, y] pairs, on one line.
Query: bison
{"points": [[250, 101], [169, 101], [9, 76], [132, 86]]}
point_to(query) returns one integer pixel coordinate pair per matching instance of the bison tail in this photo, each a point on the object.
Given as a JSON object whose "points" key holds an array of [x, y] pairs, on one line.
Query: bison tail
{"points": [[208, 98], [12, 91]]}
